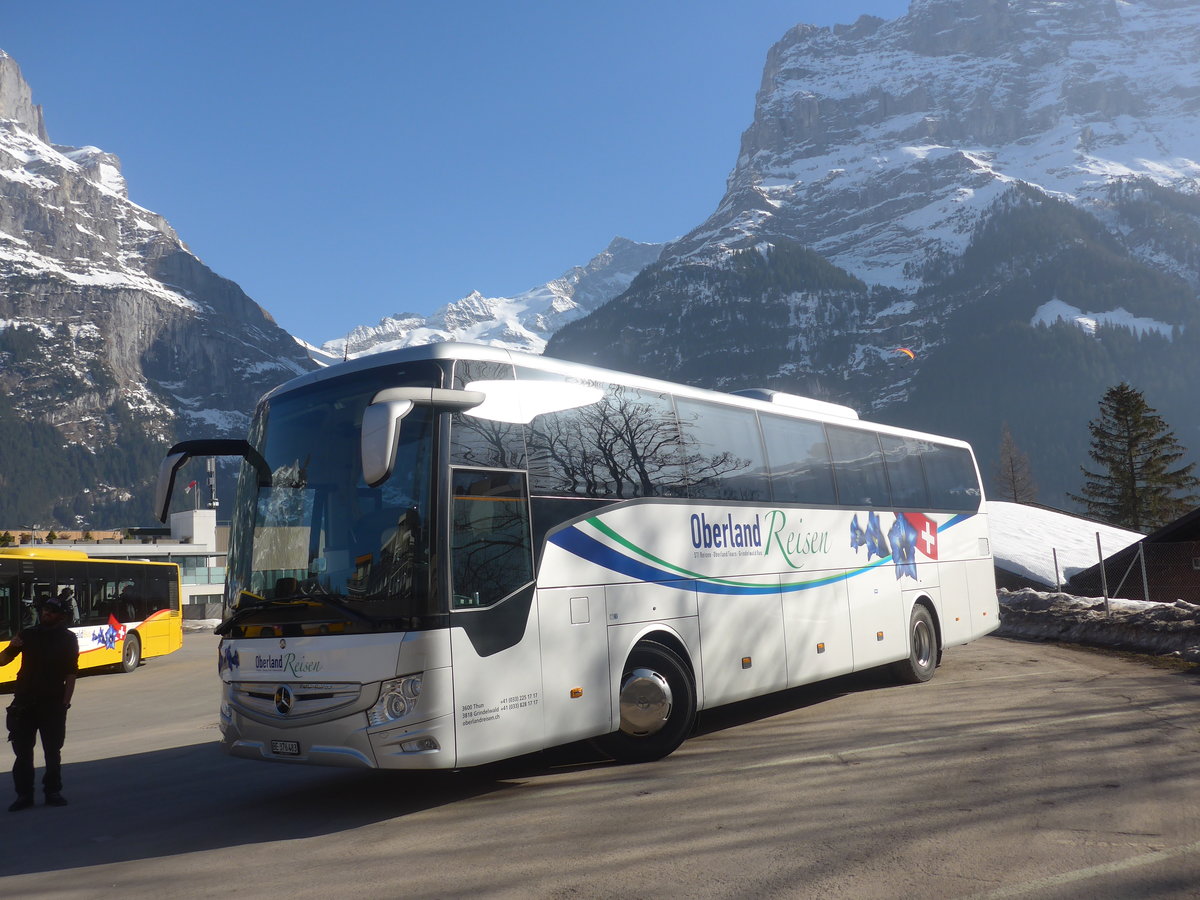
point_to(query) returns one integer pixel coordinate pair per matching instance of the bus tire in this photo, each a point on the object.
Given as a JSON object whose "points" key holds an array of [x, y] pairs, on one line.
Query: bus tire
{"points": [[922, 657], [658, 705], [131, 652]]}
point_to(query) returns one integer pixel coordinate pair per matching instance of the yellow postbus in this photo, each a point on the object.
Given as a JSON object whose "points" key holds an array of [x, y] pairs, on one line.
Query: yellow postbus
{"points": [[122, 611]]}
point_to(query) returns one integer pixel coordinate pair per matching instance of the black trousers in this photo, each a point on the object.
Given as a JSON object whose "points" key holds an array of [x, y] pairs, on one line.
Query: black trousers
{"points": [[26, 720]]}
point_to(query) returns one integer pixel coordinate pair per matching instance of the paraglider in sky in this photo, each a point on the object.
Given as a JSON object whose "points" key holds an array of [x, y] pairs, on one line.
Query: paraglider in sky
{"points": [[905, 351]]}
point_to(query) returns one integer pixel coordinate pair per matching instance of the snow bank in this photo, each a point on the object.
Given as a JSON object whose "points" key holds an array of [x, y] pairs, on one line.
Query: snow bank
{"points": [[1025, 538], [1165, 629]]}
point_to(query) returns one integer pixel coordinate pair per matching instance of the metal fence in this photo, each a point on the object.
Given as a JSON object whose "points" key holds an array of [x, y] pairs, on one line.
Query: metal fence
{"points": [[1159, 572]]}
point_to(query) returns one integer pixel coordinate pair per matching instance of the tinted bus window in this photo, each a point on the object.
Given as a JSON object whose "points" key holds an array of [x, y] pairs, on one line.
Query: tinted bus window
{"points": [[617, 443], [483, 440], [801, 471], [902, 457], [858, 467], [723, 452], [951, 476], [489, 552]]}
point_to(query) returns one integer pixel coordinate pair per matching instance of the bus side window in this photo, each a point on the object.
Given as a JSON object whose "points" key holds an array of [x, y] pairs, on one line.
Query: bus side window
{"points": [[619, 445], [798, 451], [723, 452], [476, 441], [952, 481], [490, 554], [902, 457], [858, 467]]}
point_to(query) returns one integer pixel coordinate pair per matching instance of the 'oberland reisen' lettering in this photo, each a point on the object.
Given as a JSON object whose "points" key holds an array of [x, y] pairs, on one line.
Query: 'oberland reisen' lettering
{"points": [[727, 533], [287, 662]]}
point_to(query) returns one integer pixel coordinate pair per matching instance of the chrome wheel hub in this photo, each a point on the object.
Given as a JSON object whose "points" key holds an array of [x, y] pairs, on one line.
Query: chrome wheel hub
{"points": [[923, 645], [646, 702]]}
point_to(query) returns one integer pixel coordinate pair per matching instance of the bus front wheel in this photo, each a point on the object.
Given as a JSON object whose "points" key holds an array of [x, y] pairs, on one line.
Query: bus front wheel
{"points": [[131, 652], [922, 648], [658, 705]]}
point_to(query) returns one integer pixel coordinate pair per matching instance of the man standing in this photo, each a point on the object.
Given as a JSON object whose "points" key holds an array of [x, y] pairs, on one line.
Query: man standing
{"points": [[49, 662]]}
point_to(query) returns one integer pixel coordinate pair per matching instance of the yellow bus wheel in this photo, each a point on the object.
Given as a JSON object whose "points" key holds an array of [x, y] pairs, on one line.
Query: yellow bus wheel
{"points": [[131, 652]]}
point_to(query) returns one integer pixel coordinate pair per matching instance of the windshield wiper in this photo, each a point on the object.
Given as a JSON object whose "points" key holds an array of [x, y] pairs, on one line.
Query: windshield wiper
{"points": [[329, 600]]}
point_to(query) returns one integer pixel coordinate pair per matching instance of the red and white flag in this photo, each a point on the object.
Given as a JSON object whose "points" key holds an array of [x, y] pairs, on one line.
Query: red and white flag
{"points": [[926, 528], [116, 626]]}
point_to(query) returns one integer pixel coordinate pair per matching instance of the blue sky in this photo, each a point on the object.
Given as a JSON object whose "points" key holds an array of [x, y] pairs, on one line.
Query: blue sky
{"points": [[344, 162]]}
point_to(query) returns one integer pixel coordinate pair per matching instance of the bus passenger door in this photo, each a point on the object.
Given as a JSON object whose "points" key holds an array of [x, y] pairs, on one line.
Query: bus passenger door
{"points": [[575, 670], [493, 619]]}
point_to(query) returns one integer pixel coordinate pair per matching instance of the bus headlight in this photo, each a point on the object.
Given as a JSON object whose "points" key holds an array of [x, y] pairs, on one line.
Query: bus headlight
{"points": [[397, 699]]}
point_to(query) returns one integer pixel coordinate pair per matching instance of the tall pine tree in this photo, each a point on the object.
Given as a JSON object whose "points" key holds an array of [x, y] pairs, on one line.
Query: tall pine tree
{"points": [[1135, 486]]}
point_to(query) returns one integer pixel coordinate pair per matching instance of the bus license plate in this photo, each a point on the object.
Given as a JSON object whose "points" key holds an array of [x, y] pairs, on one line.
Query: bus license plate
{"points": [[286, 748]]}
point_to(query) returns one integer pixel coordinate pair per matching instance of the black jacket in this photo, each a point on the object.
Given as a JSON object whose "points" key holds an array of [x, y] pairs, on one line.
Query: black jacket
{"points": [[48, 656]]}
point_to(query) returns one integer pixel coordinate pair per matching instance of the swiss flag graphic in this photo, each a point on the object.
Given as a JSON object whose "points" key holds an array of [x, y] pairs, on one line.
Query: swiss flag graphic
{"points": [[926, 541], [116, 626]]}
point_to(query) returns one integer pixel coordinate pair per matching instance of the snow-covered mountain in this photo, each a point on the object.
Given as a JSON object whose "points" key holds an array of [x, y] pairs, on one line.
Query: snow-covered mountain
{"points": [[114, 337], [524, 322], [1008, 188], [882, 144]]}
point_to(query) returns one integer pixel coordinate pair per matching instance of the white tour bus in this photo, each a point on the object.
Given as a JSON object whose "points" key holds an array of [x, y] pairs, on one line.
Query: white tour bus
{"points": [[453, 554]]}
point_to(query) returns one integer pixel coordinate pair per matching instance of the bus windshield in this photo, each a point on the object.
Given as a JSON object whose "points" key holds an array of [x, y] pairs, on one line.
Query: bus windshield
{"points": [[317, 547]]}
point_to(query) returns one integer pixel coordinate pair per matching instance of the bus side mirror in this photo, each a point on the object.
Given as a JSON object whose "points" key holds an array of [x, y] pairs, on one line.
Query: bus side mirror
{"points": [[166, 483], [182, 452], [380, 438], [380, 435]]}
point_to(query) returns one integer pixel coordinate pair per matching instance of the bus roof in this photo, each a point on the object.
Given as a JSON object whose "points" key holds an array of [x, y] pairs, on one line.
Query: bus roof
{"points": [[753, 398], [42, 553], [64, 555]]}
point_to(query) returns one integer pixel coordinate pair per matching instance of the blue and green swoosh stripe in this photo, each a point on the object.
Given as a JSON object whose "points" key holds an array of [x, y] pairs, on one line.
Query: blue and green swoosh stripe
{"points": [[633, 561]]}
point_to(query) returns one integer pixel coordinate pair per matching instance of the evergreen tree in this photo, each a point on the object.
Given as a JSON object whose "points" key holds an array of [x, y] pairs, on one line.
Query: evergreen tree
{"points": [[1135, 486], [1014, 478]]}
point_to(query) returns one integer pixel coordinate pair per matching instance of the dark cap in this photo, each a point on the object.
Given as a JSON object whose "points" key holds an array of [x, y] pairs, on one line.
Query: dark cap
{"points": [[55, 605]]}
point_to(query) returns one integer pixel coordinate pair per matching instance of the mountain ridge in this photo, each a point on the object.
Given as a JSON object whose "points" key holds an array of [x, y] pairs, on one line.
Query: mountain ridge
{"points": [[116, 336], [909, 154], [523, 322]]}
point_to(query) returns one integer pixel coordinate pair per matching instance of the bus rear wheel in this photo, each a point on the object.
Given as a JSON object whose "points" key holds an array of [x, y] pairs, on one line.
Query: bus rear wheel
{"points": [[658, 705], [922, 648], [131, 652]]}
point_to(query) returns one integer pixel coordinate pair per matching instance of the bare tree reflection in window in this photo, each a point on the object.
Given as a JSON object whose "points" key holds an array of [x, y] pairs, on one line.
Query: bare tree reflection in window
{"points": [[626, 445], [490, 541]]}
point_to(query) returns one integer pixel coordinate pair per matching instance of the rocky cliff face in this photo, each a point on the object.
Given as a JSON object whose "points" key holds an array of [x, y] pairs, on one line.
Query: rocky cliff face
{"points": [[108, 322], [881, 142], [1009, 188]]}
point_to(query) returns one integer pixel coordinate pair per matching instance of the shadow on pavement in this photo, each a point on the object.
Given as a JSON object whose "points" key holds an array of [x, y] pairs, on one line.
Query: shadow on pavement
{"points": [[150, 805]]}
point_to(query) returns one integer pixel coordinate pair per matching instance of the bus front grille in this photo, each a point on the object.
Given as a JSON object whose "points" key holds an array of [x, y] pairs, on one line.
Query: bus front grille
{"points": [[290, 700]]}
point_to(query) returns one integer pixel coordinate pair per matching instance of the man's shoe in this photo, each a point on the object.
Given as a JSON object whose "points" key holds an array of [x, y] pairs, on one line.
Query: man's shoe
{"points": [[55, 799], [21, 803]]}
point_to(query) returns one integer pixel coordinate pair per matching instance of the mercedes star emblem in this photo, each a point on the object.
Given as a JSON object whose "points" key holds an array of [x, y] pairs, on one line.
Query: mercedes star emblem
{"points": [[284, 698]]}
